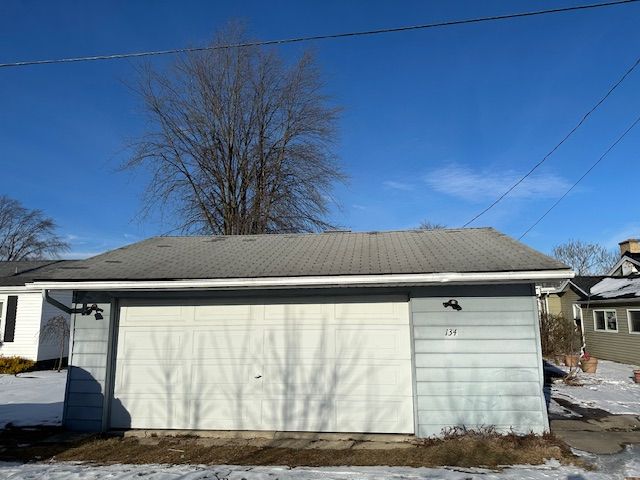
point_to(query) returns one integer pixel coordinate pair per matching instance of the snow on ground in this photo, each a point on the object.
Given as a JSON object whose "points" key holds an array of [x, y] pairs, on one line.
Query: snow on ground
{"points": [[31, 399], [611, 389], [628, 466]]}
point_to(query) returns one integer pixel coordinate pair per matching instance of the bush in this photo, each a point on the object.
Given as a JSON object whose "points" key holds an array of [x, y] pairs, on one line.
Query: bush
{"points": [[15, 365], [559, 335]]}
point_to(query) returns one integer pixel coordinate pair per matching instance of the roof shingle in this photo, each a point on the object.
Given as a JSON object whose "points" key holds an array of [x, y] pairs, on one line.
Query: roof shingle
{"points": [[331, 253]]}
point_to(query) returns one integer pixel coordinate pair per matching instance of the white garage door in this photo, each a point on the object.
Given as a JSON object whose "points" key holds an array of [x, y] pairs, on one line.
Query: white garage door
{"points": [[336, 366]]}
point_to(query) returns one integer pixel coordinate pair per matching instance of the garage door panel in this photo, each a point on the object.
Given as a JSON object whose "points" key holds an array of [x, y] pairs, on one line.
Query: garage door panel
{"points": [[217, 313], [283, 345], [297, 379], [225, 343], [225, 377], [152, 411], [373, 379], [300, 311], [383, 415], [150, 379], [373, 342], [394, 312], [151, 344], [224, 413], [154, 315], [282, 365], [305, 413]]}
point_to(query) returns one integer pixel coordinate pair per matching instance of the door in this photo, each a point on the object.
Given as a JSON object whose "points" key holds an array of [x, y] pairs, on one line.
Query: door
{"points": [[317, 364]]}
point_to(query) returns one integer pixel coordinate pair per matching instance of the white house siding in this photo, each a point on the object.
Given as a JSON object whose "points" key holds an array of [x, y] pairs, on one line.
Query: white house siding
{"points": [[86, 385], [480, 366], [28, 315]]}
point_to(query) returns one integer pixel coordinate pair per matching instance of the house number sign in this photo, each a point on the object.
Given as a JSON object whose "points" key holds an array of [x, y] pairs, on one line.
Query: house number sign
{"points": [[451, 332]]}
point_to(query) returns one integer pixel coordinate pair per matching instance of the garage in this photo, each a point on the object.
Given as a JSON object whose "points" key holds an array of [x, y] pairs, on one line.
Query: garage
{"points": [[412, 332], [310, 364]]}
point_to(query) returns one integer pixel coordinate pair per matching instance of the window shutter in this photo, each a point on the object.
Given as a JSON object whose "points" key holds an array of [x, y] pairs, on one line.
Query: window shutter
{"points": [[10, 320]]}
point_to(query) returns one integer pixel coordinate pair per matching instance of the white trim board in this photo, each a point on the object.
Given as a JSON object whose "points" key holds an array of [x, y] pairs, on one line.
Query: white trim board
{"points": [[310, 281]]}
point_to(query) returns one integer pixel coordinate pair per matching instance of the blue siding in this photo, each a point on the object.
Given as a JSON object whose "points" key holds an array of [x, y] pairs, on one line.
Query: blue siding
{"points": [[86, 387], [479, 366]]}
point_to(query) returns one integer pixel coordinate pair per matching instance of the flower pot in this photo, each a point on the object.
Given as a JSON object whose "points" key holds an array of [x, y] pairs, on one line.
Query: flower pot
{"points": [[571, 360], [589, 366], [636, 376]]}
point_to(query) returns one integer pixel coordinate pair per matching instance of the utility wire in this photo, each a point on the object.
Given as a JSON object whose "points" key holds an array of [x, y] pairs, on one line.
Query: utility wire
{"points": [[581, 178], [467, 21], [564, 139]]}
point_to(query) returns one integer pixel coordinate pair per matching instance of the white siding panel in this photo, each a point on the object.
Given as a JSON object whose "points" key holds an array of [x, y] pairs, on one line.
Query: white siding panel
{"points": [[27, 332]]}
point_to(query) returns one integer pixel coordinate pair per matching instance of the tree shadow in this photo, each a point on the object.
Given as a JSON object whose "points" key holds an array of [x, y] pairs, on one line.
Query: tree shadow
{"points": [[275, 370]]}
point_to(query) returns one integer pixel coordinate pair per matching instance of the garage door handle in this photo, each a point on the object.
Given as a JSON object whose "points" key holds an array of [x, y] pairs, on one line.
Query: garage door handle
{"points": [[258, 376]]}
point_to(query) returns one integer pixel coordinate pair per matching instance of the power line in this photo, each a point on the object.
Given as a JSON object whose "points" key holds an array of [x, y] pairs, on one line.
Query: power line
{"points": [[581, 178], [450, 23], [565, 138]]}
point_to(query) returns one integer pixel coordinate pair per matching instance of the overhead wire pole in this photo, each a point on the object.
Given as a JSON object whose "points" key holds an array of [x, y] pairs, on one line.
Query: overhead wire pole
{"points": [[564, 139], [118, 56], [594, 165]]}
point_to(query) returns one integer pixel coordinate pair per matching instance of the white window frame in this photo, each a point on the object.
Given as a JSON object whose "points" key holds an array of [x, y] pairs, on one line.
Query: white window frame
{"points": [[629, 320], [606, 325]]}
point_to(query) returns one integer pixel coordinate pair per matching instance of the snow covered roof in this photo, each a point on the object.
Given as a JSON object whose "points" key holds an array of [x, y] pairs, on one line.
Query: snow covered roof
{"points": [[611, 288]]}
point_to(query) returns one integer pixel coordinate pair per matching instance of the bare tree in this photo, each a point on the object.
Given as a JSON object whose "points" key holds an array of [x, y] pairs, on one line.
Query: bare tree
{"points": [[27, 234], [428, 225], [238, 141], [57, 330], [586, 258]]}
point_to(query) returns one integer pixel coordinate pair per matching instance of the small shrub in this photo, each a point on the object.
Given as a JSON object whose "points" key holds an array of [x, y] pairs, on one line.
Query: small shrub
{"points": [[15, 365], [559, 336]]}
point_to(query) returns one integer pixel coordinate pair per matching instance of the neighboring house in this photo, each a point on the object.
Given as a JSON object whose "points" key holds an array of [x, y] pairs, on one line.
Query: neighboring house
{"points": [[23, 311], [611, 312], [563, 299], [608, 307], [611, 317], [395, 332]]}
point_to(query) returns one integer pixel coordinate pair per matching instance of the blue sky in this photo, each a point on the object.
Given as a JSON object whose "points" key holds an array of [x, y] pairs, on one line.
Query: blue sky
{"points": [[435, 125]]}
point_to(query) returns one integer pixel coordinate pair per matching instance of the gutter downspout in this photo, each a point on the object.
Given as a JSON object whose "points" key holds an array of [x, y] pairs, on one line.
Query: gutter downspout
{"points": [[59, 305]]}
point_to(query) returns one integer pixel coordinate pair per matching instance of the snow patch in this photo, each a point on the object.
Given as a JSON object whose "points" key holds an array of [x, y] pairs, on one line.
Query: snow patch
{"points": [[611, 389], [32, 399], [74, 471]]}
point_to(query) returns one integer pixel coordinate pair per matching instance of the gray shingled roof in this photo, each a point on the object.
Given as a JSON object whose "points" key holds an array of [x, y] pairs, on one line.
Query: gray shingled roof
{"points": [[19, 272], [332, 253]]}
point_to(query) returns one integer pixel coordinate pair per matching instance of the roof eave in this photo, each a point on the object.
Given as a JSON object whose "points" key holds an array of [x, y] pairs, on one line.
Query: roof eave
{"points": [[310, 281]]}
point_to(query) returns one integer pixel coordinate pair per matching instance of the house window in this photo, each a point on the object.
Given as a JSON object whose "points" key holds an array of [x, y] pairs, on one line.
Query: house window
{"points": [[633, 317], [605, 320]]}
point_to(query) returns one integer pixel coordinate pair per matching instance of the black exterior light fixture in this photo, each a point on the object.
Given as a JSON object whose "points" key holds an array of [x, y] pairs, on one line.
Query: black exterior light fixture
{"points": [[453, 304], [86, 310]]}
